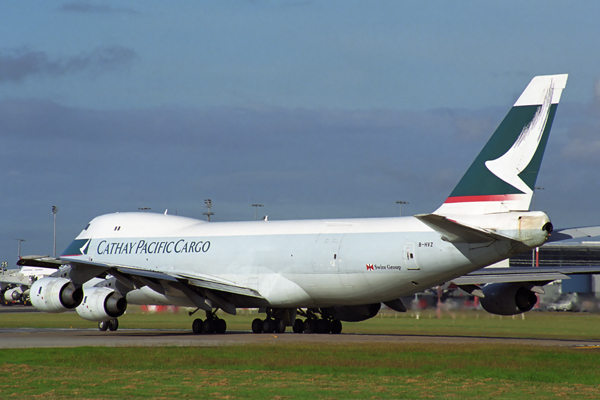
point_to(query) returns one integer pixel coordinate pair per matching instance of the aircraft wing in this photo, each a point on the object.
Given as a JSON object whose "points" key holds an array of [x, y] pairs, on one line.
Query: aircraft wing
{"points": [[15, 279], [41, 261], [574, 233], [210, 282], [522, 274], [197, 287]]}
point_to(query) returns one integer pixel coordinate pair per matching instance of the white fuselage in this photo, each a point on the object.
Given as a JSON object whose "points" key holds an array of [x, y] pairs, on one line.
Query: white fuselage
{"points": [[306, 263]]}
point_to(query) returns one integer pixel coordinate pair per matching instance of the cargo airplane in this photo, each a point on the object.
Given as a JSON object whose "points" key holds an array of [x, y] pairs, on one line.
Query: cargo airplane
{"points": [[314, 274]]}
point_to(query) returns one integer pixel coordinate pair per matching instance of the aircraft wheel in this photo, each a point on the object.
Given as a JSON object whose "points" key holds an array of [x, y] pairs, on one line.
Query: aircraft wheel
{"points": [[323, 326], [113, 324], [198, 326], [209, 326], [257, 325], [220, 326], [268, 326], [336, 326], [310, 326], [103, 325], [279, 325], [298, 326]]}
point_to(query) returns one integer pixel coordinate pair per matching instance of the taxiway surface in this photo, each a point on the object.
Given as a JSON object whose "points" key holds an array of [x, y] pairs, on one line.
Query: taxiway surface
{"points": [[34, 337]]}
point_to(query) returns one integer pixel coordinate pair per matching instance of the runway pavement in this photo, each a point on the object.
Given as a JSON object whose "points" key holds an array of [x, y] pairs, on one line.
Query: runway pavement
{"points": [[49, 337], [32, 337]]}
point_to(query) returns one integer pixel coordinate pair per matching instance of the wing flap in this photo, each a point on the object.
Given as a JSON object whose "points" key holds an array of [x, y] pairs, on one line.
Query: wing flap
{"points": [[208, 282]]}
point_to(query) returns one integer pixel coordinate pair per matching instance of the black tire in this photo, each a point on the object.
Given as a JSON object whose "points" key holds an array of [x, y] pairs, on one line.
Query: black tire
{"points": [[323, 326], [257, 325], [198, 326], [268, 326], [279, 325], [336, 326], [220, 326], [209, 326], [103, 325], [113, 324], [310, 326], [298, 326]]}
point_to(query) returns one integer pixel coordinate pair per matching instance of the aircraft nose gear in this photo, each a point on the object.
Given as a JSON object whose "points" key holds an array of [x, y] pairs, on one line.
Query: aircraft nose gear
{"points": [[212, 324]]}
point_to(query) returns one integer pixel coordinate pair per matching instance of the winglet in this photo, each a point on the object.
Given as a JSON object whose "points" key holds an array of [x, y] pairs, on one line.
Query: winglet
{"points": [[503, 176]]}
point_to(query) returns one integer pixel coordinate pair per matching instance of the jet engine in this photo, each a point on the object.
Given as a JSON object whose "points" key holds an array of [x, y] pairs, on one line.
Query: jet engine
{"points": [[352, 313], [507, 298], [55, 295], [14, 294], [101, 304]]}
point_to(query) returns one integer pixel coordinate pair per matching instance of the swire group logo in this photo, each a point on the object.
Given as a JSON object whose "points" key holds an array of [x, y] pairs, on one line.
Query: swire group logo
{"points": [[375, 267]]}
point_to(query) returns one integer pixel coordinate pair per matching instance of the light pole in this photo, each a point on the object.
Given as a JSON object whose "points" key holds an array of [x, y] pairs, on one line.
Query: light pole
{"points": [[256, 210], [208, 203], [144, 209], [54, 212], [400, 204], [20, 240]]}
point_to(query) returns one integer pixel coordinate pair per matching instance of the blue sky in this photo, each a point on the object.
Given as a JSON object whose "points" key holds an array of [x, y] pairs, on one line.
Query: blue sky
{"points": [[316, 109]]}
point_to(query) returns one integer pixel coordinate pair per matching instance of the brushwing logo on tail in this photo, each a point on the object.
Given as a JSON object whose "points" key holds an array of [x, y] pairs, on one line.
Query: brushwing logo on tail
{"points": [[517, 158]]}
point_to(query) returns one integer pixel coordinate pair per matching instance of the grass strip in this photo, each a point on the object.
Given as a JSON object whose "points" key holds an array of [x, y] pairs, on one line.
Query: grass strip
{"points": [[341, 371]]}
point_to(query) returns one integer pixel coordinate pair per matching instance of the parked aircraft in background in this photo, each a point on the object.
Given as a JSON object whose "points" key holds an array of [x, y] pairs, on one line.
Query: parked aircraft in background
{"points": [[14, 284], [325, 271]]}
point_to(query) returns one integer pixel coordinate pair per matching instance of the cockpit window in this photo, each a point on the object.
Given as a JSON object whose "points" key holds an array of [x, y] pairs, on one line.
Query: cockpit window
{"points": [[87, 226]]}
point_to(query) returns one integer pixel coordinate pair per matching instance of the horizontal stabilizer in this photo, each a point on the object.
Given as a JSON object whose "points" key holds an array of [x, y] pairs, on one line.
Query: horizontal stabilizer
{"points": [[455, 232], [574, 233]]}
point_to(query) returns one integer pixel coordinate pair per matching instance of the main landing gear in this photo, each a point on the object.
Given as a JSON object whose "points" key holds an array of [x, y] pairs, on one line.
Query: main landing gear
{"points": [[212, 324], [112, 325], [312, 324]]}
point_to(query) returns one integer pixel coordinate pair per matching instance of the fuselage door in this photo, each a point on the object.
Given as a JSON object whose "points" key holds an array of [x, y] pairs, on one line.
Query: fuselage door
{"points": [[325, 253], [410, 259]]}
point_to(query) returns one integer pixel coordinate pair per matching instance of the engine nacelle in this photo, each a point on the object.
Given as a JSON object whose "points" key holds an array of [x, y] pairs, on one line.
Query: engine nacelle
{"points": [[55, 295], [101, 304], [14, 294], [507, 298], [352, 313]]}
